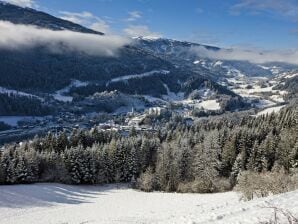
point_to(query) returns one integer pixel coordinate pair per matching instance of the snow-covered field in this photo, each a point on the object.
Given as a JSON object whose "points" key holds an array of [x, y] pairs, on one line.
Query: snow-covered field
{"points": [[210, 105], [270, 110], [206, 104], [267, 95], [61, 204]]}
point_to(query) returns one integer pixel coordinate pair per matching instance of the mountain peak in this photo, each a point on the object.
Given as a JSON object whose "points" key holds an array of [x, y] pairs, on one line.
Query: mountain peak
{"points": [[28, 16], [147, 38]]}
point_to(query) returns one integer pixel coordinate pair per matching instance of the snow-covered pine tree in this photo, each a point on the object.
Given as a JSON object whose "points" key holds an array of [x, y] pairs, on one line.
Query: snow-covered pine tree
{"points": [[21, 171], [62, 142], [2, 169], [228, 156], [32, 164]]}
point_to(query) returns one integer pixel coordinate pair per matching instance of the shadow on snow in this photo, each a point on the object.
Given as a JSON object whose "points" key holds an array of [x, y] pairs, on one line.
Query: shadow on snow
{"points": [[37, 195]]}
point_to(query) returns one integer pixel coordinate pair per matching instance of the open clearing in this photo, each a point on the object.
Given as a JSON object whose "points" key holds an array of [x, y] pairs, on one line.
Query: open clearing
{"points": [[61, 204]]}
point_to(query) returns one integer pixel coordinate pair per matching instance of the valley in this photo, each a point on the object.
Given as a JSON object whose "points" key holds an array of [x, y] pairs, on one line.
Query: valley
{"points": [[148, 112], [256, 95]]}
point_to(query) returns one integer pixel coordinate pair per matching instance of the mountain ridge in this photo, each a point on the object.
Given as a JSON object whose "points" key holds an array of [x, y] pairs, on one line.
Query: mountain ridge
{"points": [[139, 68], [29, 16]]}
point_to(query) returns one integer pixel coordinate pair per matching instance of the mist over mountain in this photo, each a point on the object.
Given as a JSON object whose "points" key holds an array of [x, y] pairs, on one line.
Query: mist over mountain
{"points": [[42, 54]]}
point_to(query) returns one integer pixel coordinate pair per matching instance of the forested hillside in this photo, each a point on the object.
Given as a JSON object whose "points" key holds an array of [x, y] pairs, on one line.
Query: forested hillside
{"points": [[13, 104], [43, 70], [205, 157]]}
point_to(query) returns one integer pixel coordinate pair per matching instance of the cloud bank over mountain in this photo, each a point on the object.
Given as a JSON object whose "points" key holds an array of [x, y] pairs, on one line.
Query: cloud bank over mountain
{"points": [[18, 37], [22, 3], [253, 56]]}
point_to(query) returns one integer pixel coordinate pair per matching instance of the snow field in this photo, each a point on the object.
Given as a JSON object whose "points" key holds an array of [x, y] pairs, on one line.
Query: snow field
{"points": [[57, 204], [270, 110], [210, 105]]}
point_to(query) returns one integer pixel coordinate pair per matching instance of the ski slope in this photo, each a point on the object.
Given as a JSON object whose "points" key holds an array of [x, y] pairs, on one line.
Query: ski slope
{"points": [[57, 204], [135, 76]]}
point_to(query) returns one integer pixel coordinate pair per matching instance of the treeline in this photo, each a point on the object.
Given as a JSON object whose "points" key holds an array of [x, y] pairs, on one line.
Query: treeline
{"points": [[151, 85], [154, 85], [14, 104], [205, 157], [291, 85], [40, 69]]}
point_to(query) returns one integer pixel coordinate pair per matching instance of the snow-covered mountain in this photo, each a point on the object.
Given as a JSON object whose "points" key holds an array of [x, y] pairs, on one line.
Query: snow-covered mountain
{"points": [[169, 70], [40, 70], [186, 54], [261, 85]]}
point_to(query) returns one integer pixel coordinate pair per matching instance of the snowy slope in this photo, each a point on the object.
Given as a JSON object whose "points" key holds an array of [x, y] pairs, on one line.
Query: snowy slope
{"points": [[210, 105], [57, 203], [18, 93], [146, 74], [60, 95], [270, 110]]}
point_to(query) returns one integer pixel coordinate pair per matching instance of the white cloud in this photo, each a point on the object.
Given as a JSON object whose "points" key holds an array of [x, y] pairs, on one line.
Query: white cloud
{"points": [[87, 19], [22, 3], [260, 57], [100, 26], [76, 17], [286, 8], [142, 30], [16, 37], [134, 15]]}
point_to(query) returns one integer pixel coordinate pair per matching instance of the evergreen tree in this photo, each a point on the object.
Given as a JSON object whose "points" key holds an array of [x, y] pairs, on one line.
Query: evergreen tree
{"points": [[62, 142], [2, 169]]}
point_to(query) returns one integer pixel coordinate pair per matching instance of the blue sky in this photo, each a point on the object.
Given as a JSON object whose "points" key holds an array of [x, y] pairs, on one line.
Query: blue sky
{"points": [[267, 24]]}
